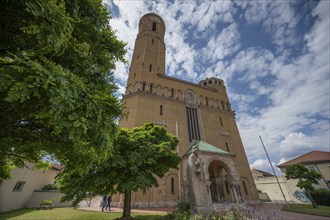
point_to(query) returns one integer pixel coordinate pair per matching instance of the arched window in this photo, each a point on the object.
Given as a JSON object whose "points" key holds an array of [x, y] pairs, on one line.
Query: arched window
{"points": [[150, 68], [207, 101], [143, 86], [154, 26], [172, 186], [153, 41], [161, 110], [150, 88]]}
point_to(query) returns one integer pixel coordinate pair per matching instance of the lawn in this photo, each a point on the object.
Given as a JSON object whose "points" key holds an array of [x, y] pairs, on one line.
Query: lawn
{"points": [[308, 209], [70, 213]]}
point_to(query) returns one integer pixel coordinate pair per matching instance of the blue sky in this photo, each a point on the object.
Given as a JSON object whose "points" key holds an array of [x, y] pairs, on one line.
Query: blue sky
{"points": [[272, 55]]}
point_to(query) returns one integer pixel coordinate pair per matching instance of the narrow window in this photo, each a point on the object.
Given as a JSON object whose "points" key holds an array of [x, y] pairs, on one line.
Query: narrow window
{"points": [[161, 110], [150, 68], [207, 102], [19, 186], [172, 186], [144, 191], [153, 41], [143, 86], [154, 26], [134, 75], [245, 190], [227, 147], [221, 122], [150, 88], [137, 57], [172, 93]]}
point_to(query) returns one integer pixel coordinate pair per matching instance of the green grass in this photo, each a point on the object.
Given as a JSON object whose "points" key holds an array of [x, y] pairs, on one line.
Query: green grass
{"points": [[72, 214], [308, 209]]}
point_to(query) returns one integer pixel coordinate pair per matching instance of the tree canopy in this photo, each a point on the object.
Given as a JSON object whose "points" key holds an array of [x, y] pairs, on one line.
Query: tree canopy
{"points": [[139, 156], [306, 178], [56, 84]]}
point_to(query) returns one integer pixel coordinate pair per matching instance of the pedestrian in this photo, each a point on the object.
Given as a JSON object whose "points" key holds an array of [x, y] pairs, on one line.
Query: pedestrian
{"points": [[108, 203], [104, 202]]}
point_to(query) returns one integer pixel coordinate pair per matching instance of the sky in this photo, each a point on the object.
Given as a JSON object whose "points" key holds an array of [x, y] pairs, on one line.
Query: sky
{"points": [[272, 55]]}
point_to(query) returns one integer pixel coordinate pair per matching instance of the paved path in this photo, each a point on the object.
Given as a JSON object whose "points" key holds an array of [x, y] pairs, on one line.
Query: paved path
{"points": [[270, 210], [273, 211]]}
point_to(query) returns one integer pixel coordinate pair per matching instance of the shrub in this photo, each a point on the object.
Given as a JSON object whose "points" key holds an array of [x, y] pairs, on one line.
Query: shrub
{"points": [[50, 187], [321, 196], [47, 202]]}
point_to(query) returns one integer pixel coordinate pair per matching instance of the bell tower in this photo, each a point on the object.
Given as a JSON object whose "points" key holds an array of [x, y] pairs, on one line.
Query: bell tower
{"points": [[149, 51]]}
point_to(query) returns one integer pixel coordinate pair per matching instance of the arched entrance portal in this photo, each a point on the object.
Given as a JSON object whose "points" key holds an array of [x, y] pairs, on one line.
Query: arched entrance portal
{"points": [[219, 184], [223, 187]]}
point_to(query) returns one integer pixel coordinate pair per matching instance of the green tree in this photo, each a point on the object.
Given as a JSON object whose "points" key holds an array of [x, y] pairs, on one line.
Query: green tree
{"points": [[306, 178], [139, 156], [56, 85]]}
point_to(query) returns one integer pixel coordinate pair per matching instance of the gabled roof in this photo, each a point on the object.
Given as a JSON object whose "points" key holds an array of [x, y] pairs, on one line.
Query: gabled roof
{"points": [[264, 173], [206, 147], [309, 158]]}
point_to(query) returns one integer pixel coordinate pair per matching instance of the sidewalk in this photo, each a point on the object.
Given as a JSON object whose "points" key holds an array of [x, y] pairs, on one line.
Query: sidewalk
{"points": [[270, 210], [273, 211]]}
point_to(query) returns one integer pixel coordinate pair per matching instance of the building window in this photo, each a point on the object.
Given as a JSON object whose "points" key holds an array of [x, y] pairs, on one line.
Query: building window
{"points": [[144, 191], [143, 86], [150, 88], [134, 75], [245, 189], [153, 41], [19, 186], [223, 105], [161, 110], [193, 124], [137, 57], [154, 26], [221, 122], [207, 102], [172, 186], [172, 93], [150, 68], [227, 147]]}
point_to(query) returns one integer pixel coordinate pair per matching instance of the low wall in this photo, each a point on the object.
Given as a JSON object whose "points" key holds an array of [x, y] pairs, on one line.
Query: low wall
{"points": [[264, 197], [39, 195]]}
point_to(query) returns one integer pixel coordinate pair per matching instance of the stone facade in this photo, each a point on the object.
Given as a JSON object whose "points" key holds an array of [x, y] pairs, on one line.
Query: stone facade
{"points": [[191, 111]]}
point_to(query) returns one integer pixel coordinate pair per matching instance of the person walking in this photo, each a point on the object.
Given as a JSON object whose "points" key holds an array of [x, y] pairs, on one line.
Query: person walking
{"points": [[104, 203], [108, 203]]}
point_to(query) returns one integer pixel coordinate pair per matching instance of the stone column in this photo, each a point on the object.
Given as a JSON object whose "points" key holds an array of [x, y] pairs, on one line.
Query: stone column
{"points": [[208, 184], [233, 187]]}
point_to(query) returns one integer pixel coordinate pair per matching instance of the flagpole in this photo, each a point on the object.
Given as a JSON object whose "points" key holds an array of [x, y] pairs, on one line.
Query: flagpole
{"points": [[279, 185]]}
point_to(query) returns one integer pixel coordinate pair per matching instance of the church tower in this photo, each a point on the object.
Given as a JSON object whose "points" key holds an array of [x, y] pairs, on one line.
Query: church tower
{"points": [[149, 51], [199, 115]]}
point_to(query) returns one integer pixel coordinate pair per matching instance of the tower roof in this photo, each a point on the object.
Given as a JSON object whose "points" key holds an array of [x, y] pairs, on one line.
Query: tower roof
{"points": [[208, 148], [152, 15]]}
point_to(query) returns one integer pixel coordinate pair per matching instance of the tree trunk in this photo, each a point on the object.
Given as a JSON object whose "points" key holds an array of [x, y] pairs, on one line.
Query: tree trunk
{"points": [[127, 206], [308, 193]]}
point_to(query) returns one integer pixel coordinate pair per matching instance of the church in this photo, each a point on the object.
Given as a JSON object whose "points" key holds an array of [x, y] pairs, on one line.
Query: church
{"points": [[201, 117]]}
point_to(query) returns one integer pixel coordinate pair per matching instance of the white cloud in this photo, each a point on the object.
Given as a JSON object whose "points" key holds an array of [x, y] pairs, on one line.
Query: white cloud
{"points": [[264, 165], [294, 114]]}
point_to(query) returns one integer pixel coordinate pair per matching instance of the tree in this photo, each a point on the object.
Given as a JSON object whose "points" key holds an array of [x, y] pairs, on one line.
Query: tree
{"points": [[306, 178], [56, 85], [139, 155]]}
